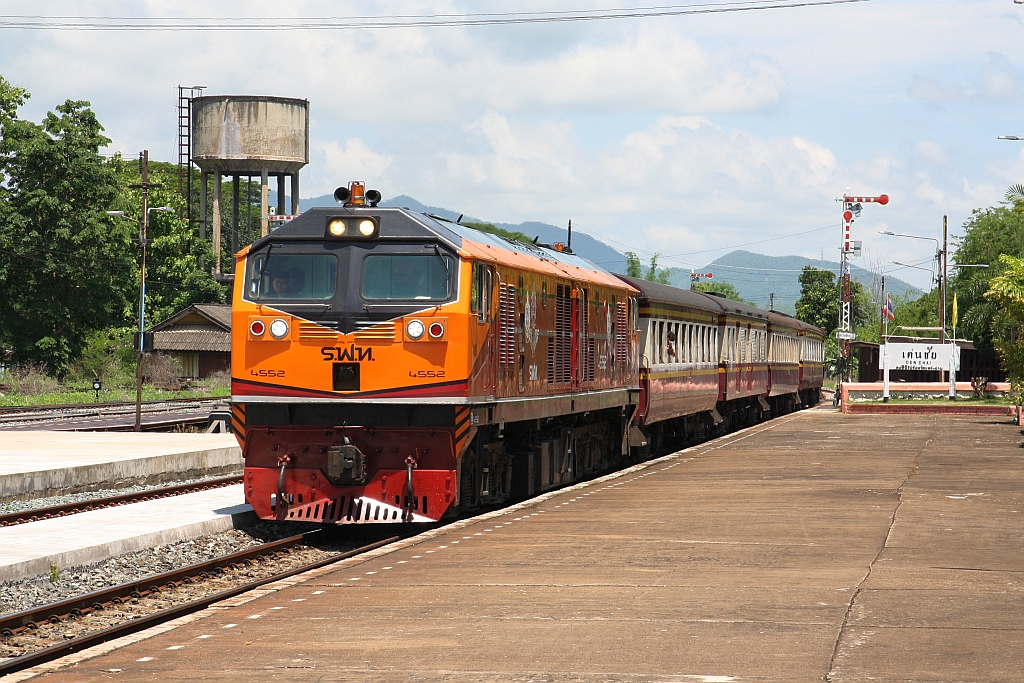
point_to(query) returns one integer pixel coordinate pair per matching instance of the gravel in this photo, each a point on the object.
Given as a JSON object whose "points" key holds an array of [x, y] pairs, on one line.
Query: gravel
{"points": [[36, 503], [39, 590]]}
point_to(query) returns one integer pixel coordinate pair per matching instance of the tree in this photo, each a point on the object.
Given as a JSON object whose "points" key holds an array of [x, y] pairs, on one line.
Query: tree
{"points": [[988, 233], [819, 300], [65, 269], [174, 279], [1006, 290], [726, 289], [514, 236], [652, 273], [633, 267]]}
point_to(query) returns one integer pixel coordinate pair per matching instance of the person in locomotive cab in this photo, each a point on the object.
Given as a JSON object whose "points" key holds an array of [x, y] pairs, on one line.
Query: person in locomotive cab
{"points": [[287, 283]]}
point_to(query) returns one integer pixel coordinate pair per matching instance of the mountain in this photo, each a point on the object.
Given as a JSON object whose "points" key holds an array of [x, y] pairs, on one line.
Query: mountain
{"points": [[757, 275]]}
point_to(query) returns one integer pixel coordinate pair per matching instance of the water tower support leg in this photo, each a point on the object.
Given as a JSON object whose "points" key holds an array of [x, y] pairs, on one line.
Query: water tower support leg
{"points": [[216, 222], [235, 202], [264, 204], [295, 193], [204, 184], [280, 195]]}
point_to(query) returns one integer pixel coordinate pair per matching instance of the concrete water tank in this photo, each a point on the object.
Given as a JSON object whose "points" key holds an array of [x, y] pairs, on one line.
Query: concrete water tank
{"points": [[247, 134]]}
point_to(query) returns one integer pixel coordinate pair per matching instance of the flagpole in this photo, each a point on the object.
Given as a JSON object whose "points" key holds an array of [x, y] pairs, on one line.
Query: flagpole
{"points": [[881, 320]]}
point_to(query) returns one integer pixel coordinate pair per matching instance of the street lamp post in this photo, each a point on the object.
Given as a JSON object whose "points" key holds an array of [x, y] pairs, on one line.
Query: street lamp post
{"points": [[940, 261], [143, 222]]}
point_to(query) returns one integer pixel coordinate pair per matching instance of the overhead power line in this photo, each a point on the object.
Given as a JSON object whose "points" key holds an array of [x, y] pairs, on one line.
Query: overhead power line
{"points": [[378, 22]]}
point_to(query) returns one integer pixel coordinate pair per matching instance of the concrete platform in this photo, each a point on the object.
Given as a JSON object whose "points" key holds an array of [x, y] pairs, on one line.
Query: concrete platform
{"points": [[87, 537], [35, 464], [816, 546]]}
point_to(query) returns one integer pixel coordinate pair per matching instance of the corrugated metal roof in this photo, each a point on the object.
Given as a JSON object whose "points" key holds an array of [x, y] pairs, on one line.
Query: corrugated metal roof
{"points": [[192, 338], [219, 315]]}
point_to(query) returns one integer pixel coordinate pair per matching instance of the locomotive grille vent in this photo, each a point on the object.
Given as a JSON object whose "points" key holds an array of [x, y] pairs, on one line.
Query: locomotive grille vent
{"points": [[507, 324], [620, 334], [559, 346], [314, 331], [588, 341], [377, 331]]}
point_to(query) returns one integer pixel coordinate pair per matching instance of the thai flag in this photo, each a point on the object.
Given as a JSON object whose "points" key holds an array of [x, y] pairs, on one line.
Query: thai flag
{"points": [[889, 310]]}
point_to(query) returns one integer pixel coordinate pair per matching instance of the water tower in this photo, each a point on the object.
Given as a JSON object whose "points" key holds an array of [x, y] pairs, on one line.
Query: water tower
{"points": [[248, 136]]}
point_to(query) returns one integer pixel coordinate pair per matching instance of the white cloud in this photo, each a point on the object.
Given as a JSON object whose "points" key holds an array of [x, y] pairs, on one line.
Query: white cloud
{"points": [[999, 81], [934, 94], [352, 160]]}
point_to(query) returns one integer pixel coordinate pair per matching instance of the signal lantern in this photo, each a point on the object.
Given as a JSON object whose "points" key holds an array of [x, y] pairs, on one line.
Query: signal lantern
{"points": [[436, 330], [257, 328]]}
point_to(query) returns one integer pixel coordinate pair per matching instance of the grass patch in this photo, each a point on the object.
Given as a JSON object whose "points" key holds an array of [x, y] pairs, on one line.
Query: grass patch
{"points": [[72, 395]]}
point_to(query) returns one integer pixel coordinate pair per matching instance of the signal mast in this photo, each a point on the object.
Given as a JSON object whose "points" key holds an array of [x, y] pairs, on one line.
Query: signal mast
{"points": [[851, 209]]}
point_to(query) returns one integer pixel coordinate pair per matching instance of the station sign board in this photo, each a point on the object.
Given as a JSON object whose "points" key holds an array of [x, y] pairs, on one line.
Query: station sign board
{"points": [[919, 356], [845, 335]]}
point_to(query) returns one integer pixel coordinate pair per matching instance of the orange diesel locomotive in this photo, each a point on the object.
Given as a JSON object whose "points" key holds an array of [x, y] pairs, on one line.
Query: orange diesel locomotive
{"points": [[393, 366]]}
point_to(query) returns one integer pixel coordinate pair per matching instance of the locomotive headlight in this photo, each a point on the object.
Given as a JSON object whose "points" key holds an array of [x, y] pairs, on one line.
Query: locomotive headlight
{"points": [[414, 329], [279, 329], [366, 227], [337, 227]]}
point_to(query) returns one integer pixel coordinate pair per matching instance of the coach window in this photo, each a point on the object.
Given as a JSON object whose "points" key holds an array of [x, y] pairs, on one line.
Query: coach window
{"points": [[661, 342]]}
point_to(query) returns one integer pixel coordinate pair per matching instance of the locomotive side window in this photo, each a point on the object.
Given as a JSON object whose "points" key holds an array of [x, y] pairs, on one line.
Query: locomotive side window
{"points": [[406, 277], [292, 276]]}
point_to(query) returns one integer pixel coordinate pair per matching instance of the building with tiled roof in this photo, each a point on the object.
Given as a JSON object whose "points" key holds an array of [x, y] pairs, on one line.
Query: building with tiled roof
{"points": [[199, 337]]}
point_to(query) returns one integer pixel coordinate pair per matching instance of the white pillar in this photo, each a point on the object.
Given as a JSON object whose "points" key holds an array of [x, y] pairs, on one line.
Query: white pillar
{"points": [[885, 372], [952, 372]]}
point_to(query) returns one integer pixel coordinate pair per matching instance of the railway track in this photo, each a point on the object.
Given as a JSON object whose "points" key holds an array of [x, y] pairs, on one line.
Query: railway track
{"points": [[116, 407], [145, 601], [63, 510], [187, 412]]}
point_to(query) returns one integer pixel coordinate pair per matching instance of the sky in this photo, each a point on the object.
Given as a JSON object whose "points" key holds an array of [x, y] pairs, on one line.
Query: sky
{"points": [[689, 136]]}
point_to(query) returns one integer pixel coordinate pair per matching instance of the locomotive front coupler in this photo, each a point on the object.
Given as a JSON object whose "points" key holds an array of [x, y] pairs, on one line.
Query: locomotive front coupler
{"points": [[411, 462]]}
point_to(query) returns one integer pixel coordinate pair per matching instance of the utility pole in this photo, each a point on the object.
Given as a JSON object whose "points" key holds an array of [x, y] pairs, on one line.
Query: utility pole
{"points": [[145, 186], [143, 222], [942, 285]]}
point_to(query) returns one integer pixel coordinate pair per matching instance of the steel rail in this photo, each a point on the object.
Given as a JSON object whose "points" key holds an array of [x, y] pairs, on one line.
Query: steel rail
{"points": [[65, 509], [89, 602], [29, 411], [151, 426]]}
